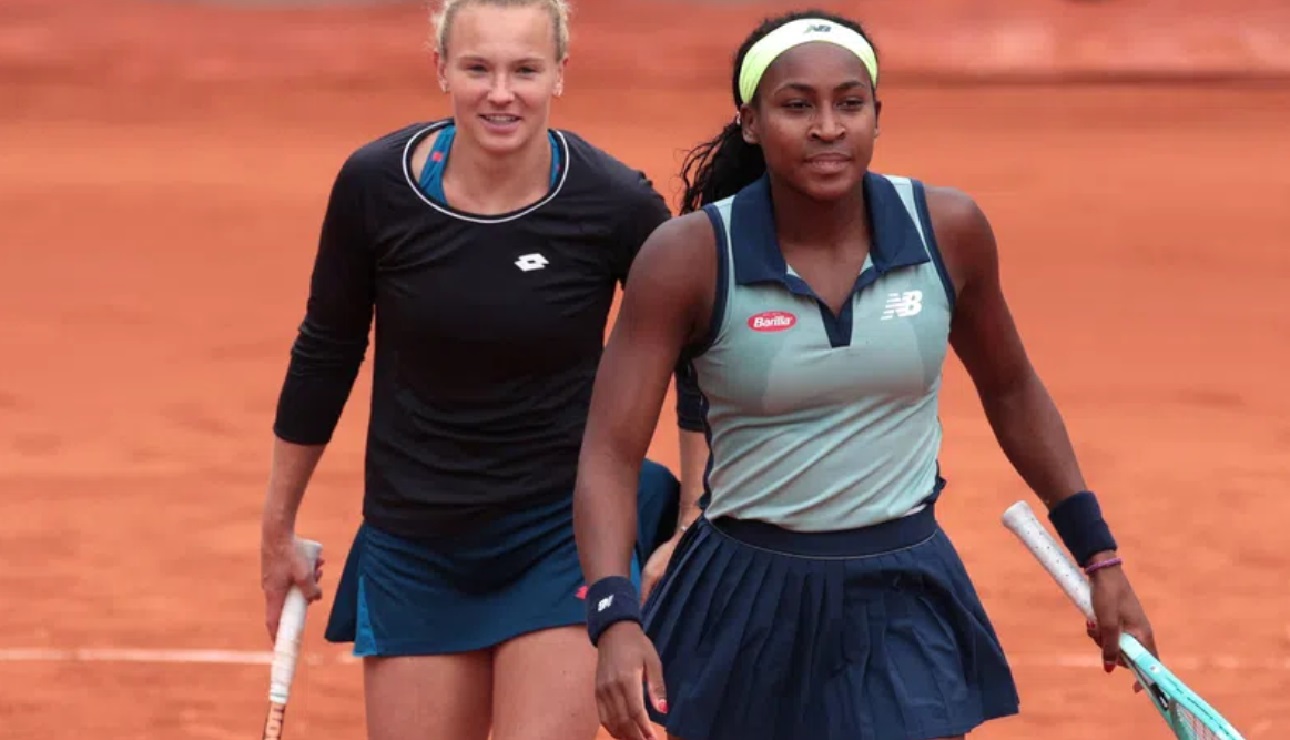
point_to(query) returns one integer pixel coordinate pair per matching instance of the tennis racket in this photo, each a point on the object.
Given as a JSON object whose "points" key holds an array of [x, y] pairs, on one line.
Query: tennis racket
{"points": [[1189, 716], [286, 647]]}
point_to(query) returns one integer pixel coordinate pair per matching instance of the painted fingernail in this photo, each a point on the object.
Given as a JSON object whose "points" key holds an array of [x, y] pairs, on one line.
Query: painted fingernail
{"points": [[662, 705], [1108, 666]]}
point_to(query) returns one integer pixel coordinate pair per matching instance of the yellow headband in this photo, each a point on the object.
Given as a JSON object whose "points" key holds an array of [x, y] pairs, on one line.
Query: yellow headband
{"points": [[795, 33]]}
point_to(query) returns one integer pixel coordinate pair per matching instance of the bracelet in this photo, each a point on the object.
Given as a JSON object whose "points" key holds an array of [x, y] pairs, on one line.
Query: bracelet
{"points": [[1095, 567], [609, 601], [1078, 521]]}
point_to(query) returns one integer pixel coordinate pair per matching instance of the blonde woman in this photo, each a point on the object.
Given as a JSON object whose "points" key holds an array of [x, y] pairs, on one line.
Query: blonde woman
{"points": [[488, 247]]}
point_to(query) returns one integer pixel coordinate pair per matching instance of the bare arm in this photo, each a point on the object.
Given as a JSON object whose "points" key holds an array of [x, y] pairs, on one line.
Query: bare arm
{"points": [[293, 466], [1020, 410], [1022, 414], [662, 310]]}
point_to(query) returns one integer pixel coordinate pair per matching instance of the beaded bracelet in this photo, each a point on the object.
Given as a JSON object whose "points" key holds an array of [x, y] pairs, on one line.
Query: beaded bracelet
{"points": [[1095, 567]]}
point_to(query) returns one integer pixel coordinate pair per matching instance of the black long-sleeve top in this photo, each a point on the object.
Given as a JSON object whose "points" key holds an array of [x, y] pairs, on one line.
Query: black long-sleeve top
{"points": [[488, 331]]}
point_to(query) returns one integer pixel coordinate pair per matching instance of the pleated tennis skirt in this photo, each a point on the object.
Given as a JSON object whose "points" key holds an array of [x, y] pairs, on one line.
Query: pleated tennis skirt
{"points": [[520, 573], [868, 634]]}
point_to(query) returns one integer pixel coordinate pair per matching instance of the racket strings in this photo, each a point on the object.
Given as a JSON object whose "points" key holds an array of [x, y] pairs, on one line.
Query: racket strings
{"points": [[1194, 727]]}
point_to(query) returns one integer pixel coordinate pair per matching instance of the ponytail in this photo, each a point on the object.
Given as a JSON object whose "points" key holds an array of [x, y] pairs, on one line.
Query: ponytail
{"points": [[720, 168]]}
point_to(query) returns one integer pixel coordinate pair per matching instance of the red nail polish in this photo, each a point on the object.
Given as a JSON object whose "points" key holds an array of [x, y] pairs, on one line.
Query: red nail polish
{"points": [[662, 706]]}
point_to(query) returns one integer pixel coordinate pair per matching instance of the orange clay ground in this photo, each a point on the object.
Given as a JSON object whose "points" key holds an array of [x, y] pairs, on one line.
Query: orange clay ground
{"points": [[157, 231]]}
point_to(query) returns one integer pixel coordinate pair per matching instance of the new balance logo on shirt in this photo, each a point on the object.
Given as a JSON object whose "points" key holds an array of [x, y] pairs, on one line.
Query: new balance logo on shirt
{"points": [[903, 305]]}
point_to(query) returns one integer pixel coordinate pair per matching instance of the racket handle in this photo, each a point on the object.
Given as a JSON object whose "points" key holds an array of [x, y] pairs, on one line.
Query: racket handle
{"points": [[286, 645], [1020, 519], [273, 724]]}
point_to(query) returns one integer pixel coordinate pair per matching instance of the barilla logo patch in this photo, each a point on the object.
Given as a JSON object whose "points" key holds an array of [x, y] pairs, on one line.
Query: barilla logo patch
{"points": [[772, 321]]}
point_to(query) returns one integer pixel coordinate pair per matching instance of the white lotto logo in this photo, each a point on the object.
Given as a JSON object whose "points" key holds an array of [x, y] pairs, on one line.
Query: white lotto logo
{"points": [[531, 262], [604, 603], [905, 304]]}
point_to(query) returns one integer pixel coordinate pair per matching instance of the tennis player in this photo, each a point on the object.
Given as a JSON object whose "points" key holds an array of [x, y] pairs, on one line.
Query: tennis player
{"points": [[488, 246], [817, 596]]}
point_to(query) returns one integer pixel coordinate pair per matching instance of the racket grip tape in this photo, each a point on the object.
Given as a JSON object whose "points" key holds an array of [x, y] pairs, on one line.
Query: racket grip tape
{"points": [[1020, 519], [286, 646]]}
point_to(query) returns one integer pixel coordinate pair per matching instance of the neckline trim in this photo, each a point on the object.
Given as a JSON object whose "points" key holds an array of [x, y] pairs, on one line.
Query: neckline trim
{"points": [[478, 218]]}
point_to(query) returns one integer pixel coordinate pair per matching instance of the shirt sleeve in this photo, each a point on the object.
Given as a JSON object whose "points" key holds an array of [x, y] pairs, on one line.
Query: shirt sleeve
{"points": [[645, 212], [648, 213], [331, 342]]}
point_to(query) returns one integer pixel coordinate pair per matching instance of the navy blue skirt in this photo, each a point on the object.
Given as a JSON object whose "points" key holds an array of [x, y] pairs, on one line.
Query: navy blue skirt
{"points": [[519, 574], [870, 634]]}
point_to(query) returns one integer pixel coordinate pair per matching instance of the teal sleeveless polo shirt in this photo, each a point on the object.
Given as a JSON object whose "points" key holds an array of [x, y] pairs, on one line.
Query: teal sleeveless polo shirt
{"points": [[815, 421]]}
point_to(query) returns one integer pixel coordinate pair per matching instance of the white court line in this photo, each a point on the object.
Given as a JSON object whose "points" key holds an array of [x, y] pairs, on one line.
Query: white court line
{"points": [[142, 655], [265, 657]]}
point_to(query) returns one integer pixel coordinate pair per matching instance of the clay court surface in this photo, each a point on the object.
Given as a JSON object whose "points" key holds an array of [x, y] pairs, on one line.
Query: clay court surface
{"points": [[160, 206]]}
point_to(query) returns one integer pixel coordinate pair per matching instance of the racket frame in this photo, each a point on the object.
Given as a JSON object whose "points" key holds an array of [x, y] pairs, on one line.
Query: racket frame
{"points": [[1168, 693]]}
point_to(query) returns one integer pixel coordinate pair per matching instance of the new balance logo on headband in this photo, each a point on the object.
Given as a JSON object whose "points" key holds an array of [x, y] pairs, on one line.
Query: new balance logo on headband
{"points": [[801, 31]]}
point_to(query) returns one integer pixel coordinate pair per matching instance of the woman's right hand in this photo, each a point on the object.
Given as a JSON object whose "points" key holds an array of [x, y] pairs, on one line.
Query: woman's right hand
{"points": [[626, 656], [283, 565]]}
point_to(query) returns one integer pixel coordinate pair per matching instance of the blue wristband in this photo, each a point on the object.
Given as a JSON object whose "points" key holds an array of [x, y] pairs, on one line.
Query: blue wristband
{"points": [[609, 601], [1078, 521]]}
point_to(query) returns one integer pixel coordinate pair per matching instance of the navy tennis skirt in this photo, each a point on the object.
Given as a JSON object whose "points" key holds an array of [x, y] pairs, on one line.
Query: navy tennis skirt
{"points": [[868, 634], [519, 574]]}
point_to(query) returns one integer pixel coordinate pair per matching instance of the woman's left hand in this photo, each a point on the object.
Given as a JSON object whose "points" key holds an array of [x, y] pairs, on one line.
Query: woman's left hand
{"points": [[1117, 610], [657, 566]]}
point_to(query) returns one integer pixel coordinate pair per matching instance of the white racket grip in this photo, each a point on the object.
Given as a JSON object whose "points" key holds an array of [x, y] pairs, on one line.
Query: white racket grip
{"points": [[286, 645], [1021, 520]]}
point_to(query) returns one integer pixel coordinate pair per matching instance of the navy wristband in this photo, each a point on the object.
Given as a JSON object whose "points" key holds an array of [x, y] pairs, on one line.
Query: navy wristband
{"points": [[609, 601], [1078, 521]]}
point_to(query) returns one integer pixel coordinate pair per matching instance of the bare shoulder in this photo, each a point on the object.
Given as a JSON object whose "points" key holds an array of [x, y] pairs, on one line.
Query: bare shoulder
{"points": [[674, 276], [955, 213], [678, 248], [963, 232]]}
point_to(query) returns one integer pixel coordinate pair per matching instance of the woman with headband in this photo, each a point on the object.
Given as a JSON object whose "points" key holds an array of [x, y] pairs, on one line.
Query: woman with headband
{"points": [[815, 303]]}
